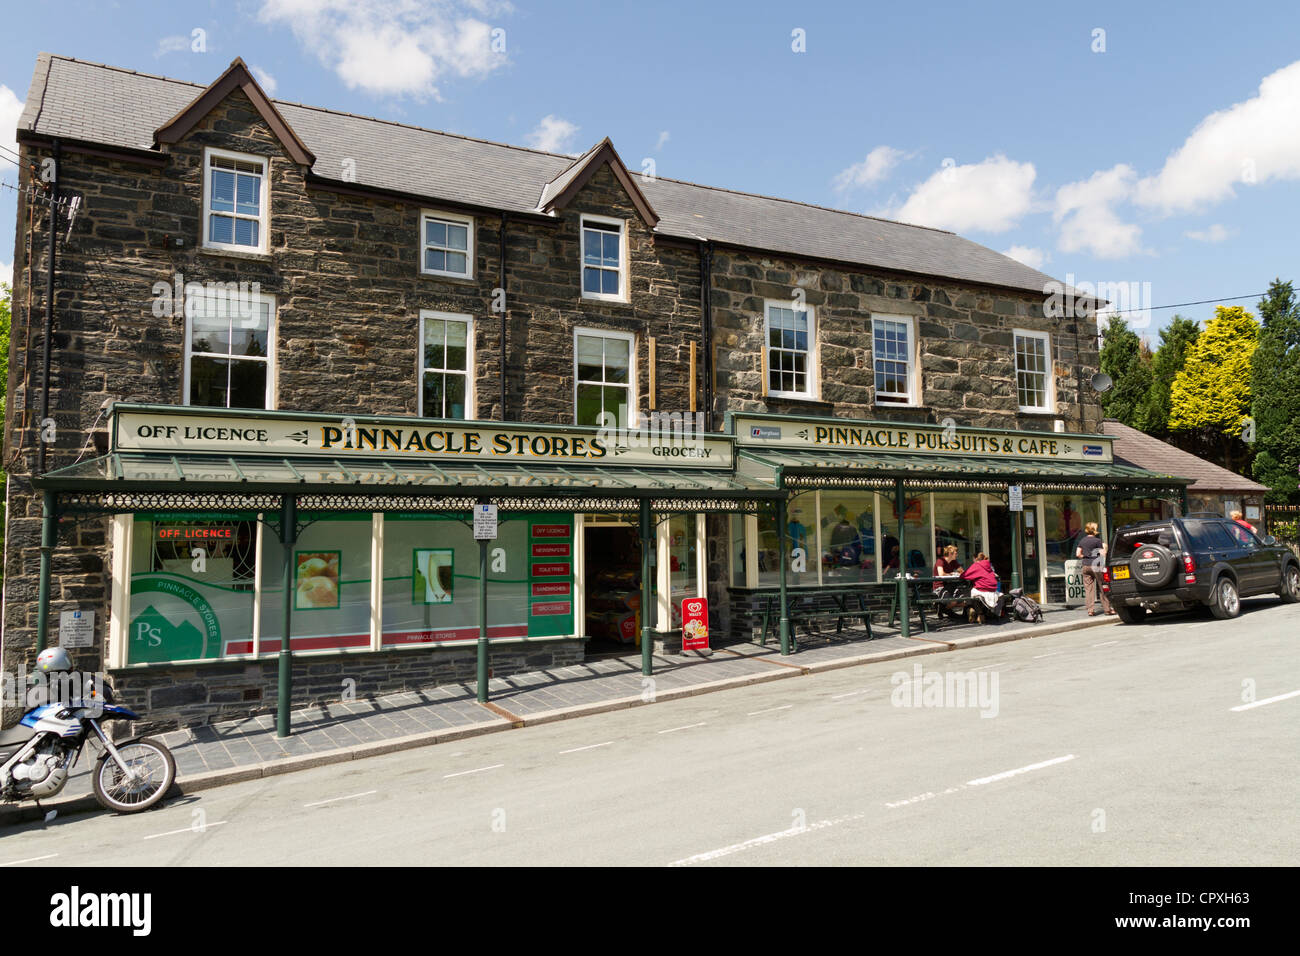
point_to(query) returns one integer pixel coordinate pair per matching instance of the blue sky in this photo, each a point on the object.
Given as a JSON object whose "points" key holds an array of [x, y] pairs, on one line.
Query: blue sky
{"points": [[1163, 150]]}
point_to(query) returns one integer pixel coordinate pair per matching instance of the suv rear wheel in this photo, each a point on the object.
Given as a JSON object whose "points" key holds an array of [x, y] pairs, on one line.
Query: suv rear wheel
{"points": [[1290, 584], [1225, 603], [1131, 615]]}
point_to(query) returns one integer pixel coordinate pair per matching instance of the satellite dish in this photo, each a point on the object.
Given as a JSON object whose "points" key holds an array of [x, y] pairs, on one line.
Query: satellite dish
{"points": [[1101, 382]]}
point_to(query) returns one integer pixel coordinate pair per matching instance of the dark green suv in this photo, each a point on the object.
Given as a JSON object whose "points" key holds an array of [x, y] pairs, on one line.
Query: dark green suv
{"points": [[1180, 563]]}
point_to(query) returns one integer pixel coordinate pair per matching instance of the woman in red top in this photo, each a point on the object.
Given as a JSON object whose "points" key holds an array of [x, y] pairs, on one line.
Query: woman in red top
{"points": [[984, 584]]}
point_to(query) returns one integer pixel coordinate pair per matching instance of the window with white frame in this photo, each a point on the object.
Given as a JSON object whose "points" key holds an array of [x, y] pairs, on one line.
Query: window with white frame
{"points": [[229, 349], [603, 248], [447, 245], [446, 365], [893, 350], [1033, 371], [603, 377], [791, 355], [234, 202]]}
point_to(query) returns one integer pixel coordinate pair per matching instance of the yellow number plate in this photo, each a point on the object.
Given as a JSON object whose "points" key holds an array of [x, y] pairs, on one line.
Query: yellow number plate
{"points": [[1119, 573]]}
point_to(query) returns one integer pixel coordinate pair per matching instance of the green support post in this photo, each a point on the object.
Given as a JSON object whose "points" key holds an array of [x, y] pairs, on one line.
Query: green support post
{"points": [[1182, 502], [904, 619], [288, 537], [1017, 548], [781, 576], [49, 534], [1105, 532], [482, 622], [647, 596]]}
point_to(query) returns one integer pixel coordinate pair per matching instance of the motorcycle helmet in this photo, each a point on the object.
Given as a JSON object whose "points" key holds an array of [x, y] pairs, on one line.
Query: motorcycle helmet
{"points": [[53, 660]]}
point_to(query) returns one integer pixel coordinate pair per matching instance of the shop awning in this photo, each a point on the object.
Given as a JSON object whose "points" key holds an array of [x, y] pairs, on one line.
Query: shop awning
{"points": [[798, 468], [123, 482]]}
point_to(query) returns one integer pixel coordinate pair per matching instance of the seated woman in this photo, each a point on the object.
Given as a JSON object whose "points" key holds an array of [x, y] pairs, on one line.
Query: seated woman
{"points": [[948, 567], [984, 588], [891, 567]]}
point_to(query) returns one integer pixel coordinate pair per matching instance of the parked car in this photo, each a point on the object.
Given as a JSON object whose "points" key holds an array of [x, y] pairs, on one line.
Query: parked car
{"points": [[1180, 563]]}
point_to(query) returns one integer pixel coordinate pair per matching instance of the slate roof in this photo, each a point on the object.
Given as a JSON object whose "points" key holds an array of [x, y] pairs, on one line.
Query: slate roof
{"points": [[94, 103], [1141, 449]]}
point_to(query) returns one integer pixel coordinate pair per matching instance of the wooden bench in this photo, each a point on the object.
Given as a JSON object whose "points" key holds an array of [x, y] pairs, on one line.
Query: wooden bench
{"points": [[814, 605], [923, 598]]}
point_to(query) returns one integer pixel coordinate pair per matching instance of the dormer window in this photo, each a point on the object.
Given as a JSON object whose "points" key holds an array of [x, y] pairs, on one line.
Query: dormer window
{"points": [[604, 259], [234, 202]]}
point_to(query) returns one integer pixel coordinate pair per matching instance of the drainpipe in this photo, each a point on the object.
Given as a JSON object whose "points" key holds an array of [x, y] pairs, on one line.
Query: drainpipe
{"points": [[49, 313], [288, 537], [481, 648], [502, 253], [49, 534], [706, 321]]}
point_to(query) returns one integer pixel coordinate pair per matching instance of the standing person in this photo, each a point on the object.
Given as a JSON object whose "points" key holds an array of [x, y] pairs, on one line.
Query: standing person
{"points": [[1237, 517], [1093, 550]]}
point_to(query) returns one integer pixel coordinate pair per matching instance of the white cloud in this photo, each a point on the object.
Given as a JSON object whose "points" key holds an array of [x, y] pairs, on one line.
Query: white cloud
{"points": [[990, 196], [394, 47], [7, 273], [552, 135], [171, 44], [11, 107], [1216, 233], [1034, 258], [1085, 212], [878, 164], [663, 138], [1251, 142], [264, 79]]}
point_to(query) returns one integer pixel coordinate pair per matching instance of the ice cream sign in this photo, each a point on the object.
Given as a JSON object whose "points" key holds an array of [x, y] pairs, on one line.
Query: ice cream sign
{"points": [[695, 624]]}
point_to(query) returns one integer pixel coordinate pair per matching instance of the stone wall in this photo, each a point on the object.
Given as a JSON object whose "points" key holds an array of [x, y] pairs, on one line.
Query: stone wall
{"points": [[967, 364]]}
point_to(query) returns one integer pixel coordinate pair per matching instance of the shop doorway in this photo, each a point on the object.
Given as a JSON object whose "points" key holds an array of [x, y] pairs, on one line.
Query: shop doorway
{"points": [[998, 519], [611, 585]]}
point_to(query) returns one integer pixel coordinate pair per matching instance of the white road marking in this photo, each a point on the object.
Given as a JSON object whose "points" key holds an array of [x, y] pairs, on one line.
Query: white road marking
{"points": [[30, 859], [994, 664], [462, 773], [673, 730], [351, 796], [1203, 624], [760, 841], [1105, 643], [206, 826], [852, 693], [1019, 770], [1266, 700], [1050, 654], [588, 747], [770, 710]]}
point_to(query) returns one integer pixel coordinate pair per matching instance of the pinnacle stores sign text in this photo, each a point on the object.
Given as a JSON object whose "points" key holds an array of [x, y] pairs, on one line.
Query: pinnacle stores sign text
{"points": [[348, 437], [925, 440]]}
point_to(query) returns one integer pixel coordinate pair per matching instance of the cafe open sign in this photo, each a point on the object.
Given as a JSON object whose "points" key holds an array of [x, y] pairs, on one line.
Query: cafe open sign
{"points": [[695, 624]]}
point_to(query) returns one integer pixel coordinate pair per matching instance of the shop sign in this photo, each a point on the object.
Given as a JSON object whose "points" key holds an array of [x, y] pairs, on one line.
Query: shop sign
{"points": [[192, 533], [881, 437], [695, 624], [214, 432], [1074, 582]]}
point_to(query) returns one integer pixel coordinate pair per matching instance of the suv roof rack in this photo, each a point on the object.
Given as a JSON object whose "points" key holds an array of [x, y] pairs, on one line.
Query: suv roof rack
{"points": [[1205, 514]]}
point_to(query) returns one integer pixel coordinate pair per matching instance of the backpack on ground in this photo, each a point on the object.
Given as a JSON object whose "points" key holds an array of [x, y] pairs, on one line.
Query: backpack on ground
{"points": [[1025, 608]]}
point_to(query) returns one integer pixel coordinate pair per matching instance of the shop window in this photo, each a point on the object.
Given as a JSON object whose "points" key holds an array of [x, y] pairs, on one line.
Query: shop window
{"points": [[683, 563], [430, 578], [603, 378], [916, 549], [446, 365], [330, 586], [234, 202], [790, 335], [446, 245], [958, 522], [893, 344], [1033, 372], [738, 524], [229, 348], [191, 588], [848, 537], [604, 275]]}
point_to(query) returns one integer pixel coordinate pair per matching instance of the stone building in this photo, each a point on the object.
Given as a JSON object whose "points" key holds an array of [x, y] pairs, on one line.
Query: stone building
{"points": [[287, 350]]}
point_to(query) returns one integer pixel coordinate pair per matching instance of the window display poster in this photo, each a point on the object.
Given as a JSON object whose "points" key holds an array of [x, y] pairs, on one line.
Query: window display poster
{"points": [[316, 580], [432, 575], [550, 575]]}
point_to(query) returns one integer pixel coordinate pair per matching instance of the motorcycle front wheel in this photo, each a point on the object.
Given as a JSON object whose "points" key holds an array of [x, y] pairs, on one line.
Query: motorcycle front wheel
{"points": [[153, 771]]}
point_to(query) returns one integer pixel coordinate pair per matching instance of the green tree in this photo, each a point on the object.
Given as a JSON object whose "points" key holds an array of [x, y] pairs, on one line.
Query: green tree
{"points": [[1175, 339], [1275, 387], [1211, 395], [1122, 359]]}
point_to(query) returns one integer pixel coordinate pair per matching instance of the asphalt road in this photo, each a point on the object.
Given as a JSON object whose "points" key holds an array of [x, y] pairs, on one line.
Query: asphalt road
{"points": [[1158, 744]]}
